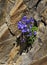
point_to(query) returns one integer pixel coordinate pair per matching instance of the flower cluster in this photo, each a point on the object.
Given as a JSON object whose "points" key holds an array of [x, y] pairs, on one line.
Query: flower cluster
{"points": [[28, 33], [25, 25]]}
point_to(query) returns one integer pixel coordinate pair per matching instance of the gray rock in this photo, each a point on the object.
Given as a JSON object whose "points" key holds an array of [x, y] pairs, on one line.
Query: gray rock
{"points": [[41, 6], [25, 59], [41, 27], [31, 3]]}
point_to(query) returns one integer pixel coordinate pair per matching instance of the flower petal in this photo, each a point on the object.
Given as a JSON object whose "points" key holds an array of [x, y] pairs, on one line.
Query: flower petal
{"points": [[35, 32], [24, 18], [32, 20], [28, 21]]}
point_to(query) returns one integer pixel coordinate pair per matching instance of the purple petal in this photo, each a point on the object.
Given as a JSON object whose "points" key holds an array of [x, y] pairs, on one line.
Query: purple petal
{"points": [[30, 26], [25, 25], [30, 34], [24, 18], [28, 30], [21, 25], [20, 22], [35, 32], [23, 31], [32, 20], [28, 21]]}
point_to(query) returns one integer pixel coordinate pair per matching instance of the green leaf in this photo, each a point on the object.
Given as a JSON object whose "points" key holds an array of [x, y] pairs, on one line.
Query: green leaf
{"points": [[34, 28]]}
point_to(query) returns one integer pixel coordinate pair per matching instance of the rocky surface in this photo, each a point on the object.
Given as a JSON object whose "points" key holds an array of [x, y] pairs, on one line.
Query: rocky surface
{"points": [[38, 10]]}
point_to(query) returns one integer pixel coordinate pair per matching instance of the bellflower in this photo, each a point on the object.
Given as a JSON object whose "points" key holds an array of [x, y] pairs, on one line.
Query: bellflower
{"points": [[30, 26], [21, 25], [27, 29], [32, 20], [28, 21], [24, 31], [24, 18], [30, 34], [35, 32]]}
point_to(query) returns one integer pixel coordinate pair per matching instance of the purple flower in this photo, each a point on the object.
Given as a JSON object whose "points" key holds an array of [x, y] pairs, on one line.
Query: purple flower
{"points": [[32, 20], [28, 30], [30, 26], [35, 32], [30, 34], [21, 25], [24, 18], [25, 30], [28, 21], [20, 22], [25, 25]]}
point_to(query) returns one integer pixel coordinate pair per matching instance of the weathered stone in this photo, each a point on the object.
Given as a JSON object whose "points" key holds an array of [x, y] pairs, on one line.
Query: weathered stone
{"points": [[40, 45], [41, 6], [32, 3], [25, 59], [44, 14], [41, 27], [3, 9]]}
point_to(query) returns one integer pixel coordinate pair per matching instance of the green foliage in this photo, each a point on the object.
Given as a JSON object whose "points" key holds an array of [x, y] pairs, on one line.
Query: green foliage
{"points": [[34, 28], [32, 38]]}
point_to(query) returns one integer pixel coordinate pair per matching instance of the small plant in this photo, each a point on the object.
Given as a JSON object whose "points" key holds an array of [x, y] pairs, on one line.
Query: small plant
{"points": [[28, 31]]}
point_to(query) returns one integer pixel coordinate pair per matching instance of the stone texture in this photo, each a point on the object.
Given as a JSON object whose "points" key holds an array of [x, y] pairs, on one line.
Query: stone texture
{"points": [[25, 59], [41, 6], [40, 45]]}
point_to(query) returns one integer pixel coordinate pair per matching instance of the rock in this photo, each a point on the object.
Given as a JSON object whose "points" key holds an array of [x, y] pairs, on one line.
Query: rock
{"points": [[3, 9], [46, 21], [44, 15], [37, 17], [26, 0], [40, 45], [41, 6], [41, 27], [32, 3], [42, 42], [25, 59]]}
